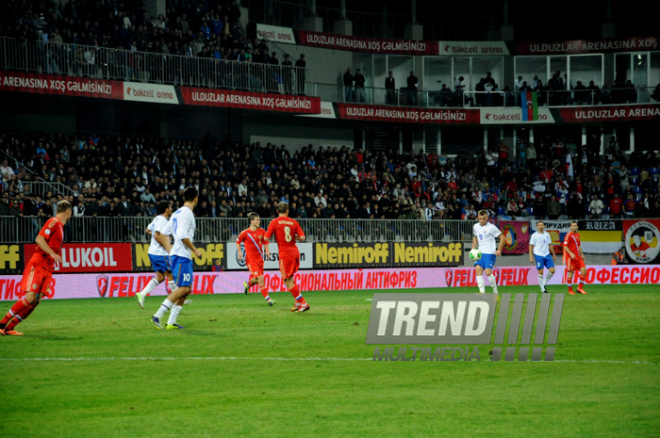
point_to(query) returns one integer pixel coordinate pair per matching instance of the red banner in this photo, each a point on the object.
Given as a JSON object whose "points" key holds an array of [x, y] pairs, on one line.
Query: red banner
{"points": [[248, 100], [377, 113], [516, 236], [580, 46], [368, 45], [608, 114], [60, 85], [642, 240], [91, 257]]}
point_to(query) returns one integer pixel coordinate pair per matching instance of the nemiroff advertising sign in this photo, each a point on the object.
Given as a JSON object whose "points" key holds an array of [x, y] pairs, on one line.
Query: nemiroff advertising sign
{"points": [[387, 255], [85, 257]]}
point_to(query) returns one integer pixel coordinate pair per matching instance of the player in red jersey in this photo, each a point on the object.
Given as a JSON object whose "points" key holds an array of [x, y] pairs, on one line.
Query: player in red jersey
{"points": [[252, 240], [287, 231], [574, 259], [38, 273]]}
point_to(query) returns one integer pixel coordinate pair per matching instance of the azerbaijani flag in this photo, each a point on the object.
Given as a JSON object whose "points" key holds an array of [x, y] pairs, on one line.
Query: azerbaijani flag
{"points": [[530, 109]]}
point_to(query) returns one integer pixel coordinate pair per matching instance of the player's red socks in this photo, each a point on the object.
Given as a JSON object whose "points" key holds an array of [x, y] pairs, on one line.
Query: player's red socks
{"points": [[297, 295], [21, 315], [16, 309], [264, 292]]}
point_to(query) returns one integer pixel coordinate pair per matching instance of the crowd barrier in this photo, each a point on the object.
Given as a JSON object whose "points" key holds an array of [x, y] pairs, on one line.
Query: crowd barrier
{"points": [[117, 285], [133, 257], [89, 229], [110, 64], [363, 244]]}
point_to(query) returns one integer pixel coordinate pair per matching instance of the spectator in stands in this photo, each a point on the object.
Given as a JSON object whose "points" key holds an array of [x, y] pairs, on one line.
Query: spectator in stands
{"points": [[519, 83], [643, 206], [629, 206], [575, 207], [411, 88], [655, 210], [90, 60], [390, 88], [4, 205], [553, 208], [512, 209], [459, 88], [6, 171], [616, 206], [359, 81], [531, 155], [594, 95], [503, 154], [287, 67], [301, 64], [348, 85], [580, 94]]}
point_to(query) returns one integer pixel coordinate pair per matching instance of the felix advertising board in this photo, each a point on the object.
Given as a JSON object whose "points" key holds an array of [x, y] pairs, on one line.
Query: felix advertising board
{"points": [[113, 285]]}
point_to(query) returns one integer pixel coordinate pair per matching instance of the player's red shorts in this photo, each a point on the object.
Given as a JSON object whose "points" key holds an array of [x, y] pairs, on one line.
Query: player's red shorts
{"points": [[289, 265], [574, 264], [256, 268], [36, 279]]}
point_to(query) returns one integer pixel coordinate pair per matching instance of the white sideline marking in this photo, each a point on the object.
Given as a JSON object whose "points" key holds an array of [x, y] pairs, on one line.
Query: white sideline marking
{"points": [[298, 359]]}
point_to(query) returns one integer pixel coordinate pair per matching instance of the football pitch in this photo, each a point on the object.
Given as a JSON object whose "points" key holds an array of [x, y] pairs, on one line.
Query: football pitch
{"points": [[98, 367]]}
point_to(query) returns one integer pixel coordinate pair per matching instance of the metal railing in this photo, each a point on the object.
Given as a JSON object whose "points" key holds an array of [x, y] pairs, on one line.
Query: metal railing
{"points": [[160, 68], [165, 68], [38, 187], [21, 229], [452, 99], [46, 190]]}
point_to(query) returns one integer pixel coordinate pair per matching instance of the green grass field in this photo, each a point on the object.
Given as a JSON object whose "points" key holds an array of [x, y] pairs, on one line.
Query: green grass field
{"points": [[97, 367]]}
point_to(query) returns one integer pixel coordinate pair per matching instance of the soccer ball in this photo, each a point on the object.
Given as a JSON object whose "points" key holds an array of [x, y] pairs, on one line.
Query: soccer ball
{"points": [[475, 254]]}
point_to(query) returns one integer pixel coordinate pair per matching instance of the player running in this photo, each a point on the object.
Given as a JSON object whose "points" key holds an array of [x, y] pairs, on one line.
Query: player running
{"points": [[182, 227], [252, 240], [575, 259], [542, 253], [287, 231], [484, 235], [38, 273], [158, 254]]}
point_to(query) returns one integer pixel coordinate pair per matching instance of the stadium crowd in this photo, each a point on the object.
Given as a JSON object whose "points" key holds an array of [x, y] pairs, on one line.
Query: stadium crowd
{"points": [[211, 30], [188, 28], [128, 175], [205, 37]]}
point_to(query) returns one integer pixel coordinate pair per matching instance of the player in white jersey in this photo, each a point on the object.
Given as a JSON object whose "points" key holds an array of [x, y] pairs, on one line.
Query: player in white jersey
{"points": [[542, 253], [483, 237], [181, 226], [158, 254]]}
